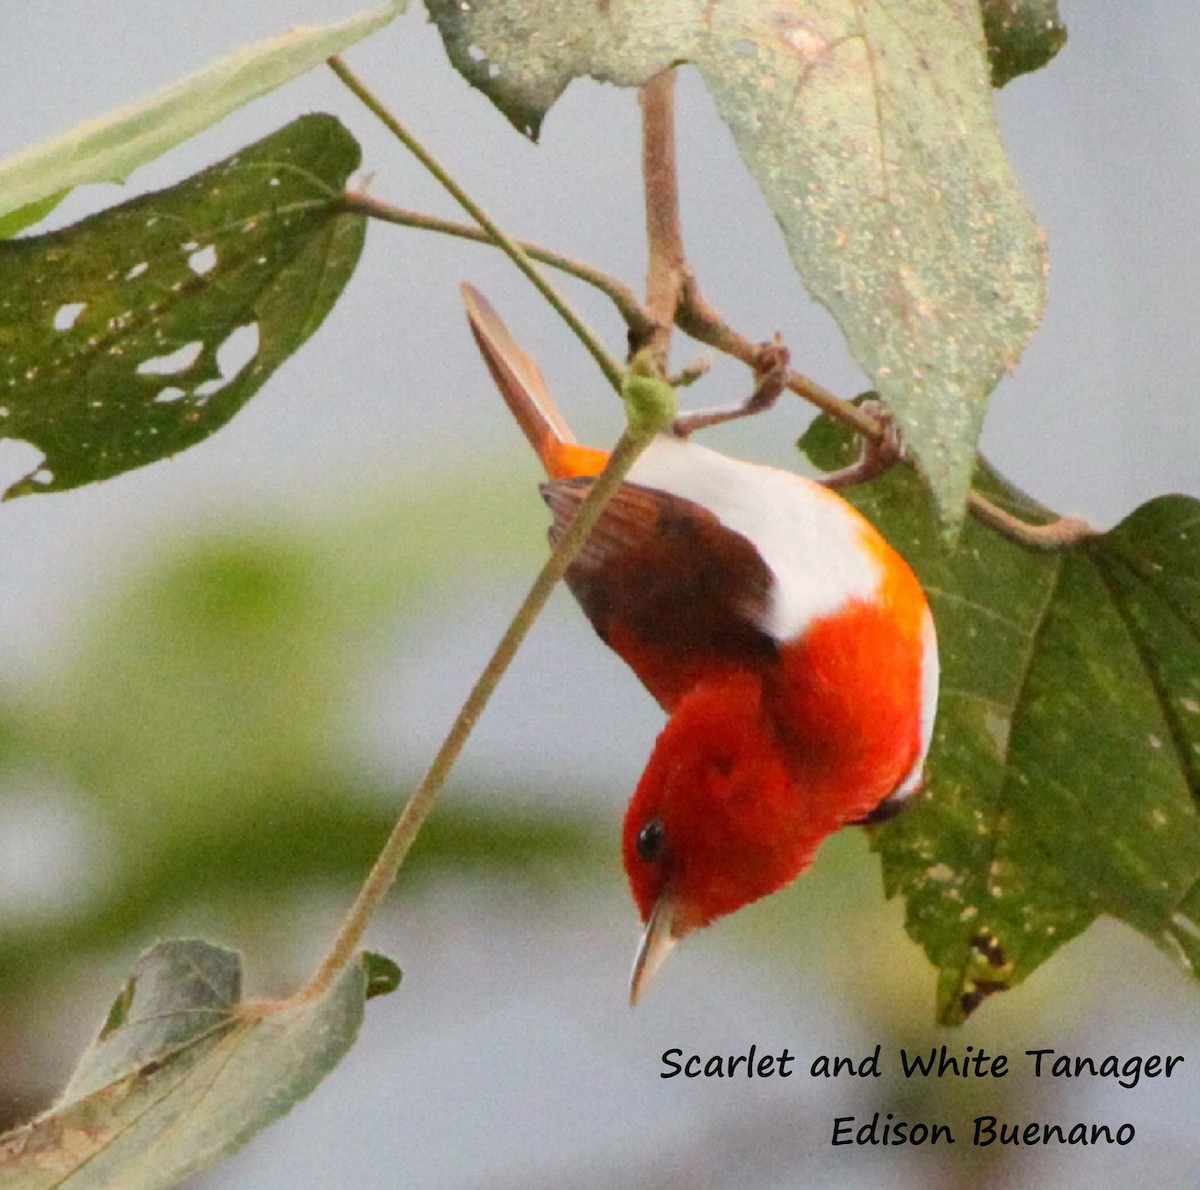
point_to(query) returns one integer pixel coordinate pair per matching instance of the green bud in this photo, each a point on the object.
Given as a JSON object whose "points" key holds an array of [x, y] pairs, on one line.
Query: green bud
{"points": [[650, 402]]}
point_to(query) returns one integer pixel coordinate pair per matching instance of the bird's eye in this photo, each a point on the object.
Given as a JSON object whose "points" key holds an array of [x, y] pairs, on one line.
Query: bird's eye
{"points": [[651, 840]]}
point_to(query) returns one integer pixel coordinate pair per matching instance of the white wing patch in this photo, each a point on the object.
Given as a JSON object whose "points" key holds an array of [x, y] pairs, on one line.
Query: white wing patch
{"points": [[809, 537]]}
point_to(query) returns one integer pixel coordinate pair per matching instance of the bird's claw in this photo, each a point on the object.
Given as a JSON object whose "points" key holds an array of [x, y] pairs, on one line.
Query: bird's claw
{"points": [[770, 379], [877, 455]]}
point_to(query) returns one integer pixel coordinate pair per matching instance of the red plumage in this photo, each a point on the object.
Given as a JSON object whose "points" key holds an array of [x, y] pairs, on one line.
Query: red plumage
{"points": [[791, 645]]}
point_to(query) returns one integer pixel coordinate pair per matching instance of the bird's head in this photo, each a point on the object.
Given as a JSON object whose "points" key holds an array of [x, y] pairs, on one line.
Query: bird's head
{"points": [[716, 821]]}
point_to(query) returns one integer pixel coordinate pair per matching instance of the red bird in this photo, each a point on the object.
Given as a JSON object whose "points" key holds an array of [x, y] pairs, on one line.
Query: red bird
{"points": [[792, 647]]}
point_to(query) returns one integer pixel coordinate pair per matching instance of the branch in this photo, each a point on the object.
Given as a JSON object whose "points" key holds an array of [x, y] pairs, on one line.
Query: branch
{"points": [[697, 318], [609, 366], [673, 295], [770, 379], [1058, 534], [660, 184], [616, 291], [650, 406]]}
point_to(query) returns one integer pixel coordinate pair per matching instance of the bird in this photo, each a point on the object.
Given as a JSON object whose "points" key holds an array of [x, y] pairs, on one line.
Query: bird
{"points": [[791, 646]]}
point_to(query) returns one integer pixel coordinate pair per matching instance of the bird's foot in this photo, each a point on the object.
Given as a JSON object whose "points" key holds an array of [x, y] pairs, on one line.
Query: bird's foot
{"points": [[876, 455], [770, 379]]}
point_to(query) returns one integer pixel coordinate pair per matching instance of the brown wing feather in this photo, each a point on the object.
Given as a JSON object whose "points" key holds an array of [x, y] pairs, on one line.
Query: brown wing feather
{"points": [[664, 573]]}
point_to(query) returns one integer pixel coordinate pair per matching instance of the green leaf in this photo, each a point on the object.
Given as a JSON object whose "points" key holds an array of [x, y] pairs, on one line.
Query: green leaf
{"points": [[110, 148], [1022, 35], [118, 334], [28, 215], [871, 132], [183, 1073], [1065, 769], [383, 974]]}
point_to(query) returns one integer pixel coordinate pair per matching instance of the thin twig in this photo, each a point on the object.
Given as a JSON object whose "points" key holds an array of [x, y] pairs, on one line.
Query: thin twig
{"points": [[609, 366], [664, 235], [770, 379], [419, 805], [697, 318], [620, 294]]}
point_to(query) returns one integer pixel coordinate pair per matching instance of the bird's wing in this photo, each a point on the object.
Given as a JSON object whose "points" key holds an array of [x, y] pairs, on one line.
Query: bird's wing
{"points": [[677, 594]]}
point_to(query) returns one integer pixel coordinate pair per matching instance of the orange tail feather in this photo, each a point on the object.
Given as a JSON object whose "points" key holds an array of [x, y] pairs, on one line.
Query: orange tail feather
{"points": [[520, 382]]}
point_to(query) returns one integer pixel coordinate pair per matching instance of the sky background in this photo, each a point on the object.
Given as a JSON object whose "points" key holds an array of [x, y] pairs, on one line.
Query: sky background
{"points": [[510, 1057]]}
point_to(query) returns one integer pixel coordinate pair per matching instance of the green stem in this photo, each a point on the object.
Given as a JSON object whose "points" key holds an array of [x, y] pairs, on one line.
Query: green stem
{"points": [[609, 366], [419, 805]]}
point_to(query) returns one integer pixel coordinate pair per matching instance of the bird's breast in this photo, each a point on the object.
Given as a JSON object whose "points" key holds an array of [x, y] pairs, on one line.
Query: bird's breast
{"points": [[847, 703]]}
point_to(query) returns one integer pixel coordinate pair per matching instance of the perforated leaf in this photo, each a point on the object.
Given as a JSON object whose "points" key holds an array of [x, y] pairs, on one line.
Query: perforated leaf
{"points": [[139, 331]]}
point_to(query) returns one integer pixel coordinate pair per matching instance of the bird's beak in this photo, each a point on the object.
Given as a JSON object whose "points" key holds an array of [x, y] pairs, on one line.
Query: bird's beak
{"points": [[658, 940]]}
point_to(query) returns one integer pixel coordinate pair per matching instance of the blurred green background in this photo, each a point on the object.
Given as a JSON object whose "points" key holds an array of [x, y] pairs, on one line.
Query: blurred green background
{"points": [[196, 762]]}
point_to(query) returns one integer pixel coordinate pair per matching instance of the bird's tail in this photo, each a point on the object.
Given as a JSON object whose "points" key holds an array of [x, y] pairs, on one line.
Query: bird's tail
{"points": [[520, 382]]}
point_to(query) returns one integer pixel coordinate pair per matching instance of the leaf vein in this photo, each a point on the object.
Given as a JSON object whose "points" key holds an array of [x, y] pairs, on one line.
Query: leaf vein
{"points": [[997, 811], [948, 596], [1170, 719]]}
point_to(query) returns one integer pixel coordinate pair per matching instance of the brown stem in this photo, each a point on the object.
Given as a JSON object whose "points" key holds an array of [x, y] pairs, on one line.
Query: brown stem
{"points": [[697, 318], [620, 294], [1059, 534], [770, 379], [660, 181], [701, 321]]}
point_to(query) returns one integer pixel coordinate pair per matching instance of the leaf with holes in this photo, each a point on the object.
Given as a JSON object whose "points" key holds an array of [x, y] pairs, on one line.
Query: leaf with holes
{"points": [[1065, 771], [870, 131], [136, 333], [110, 148], [184, 1072]]}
